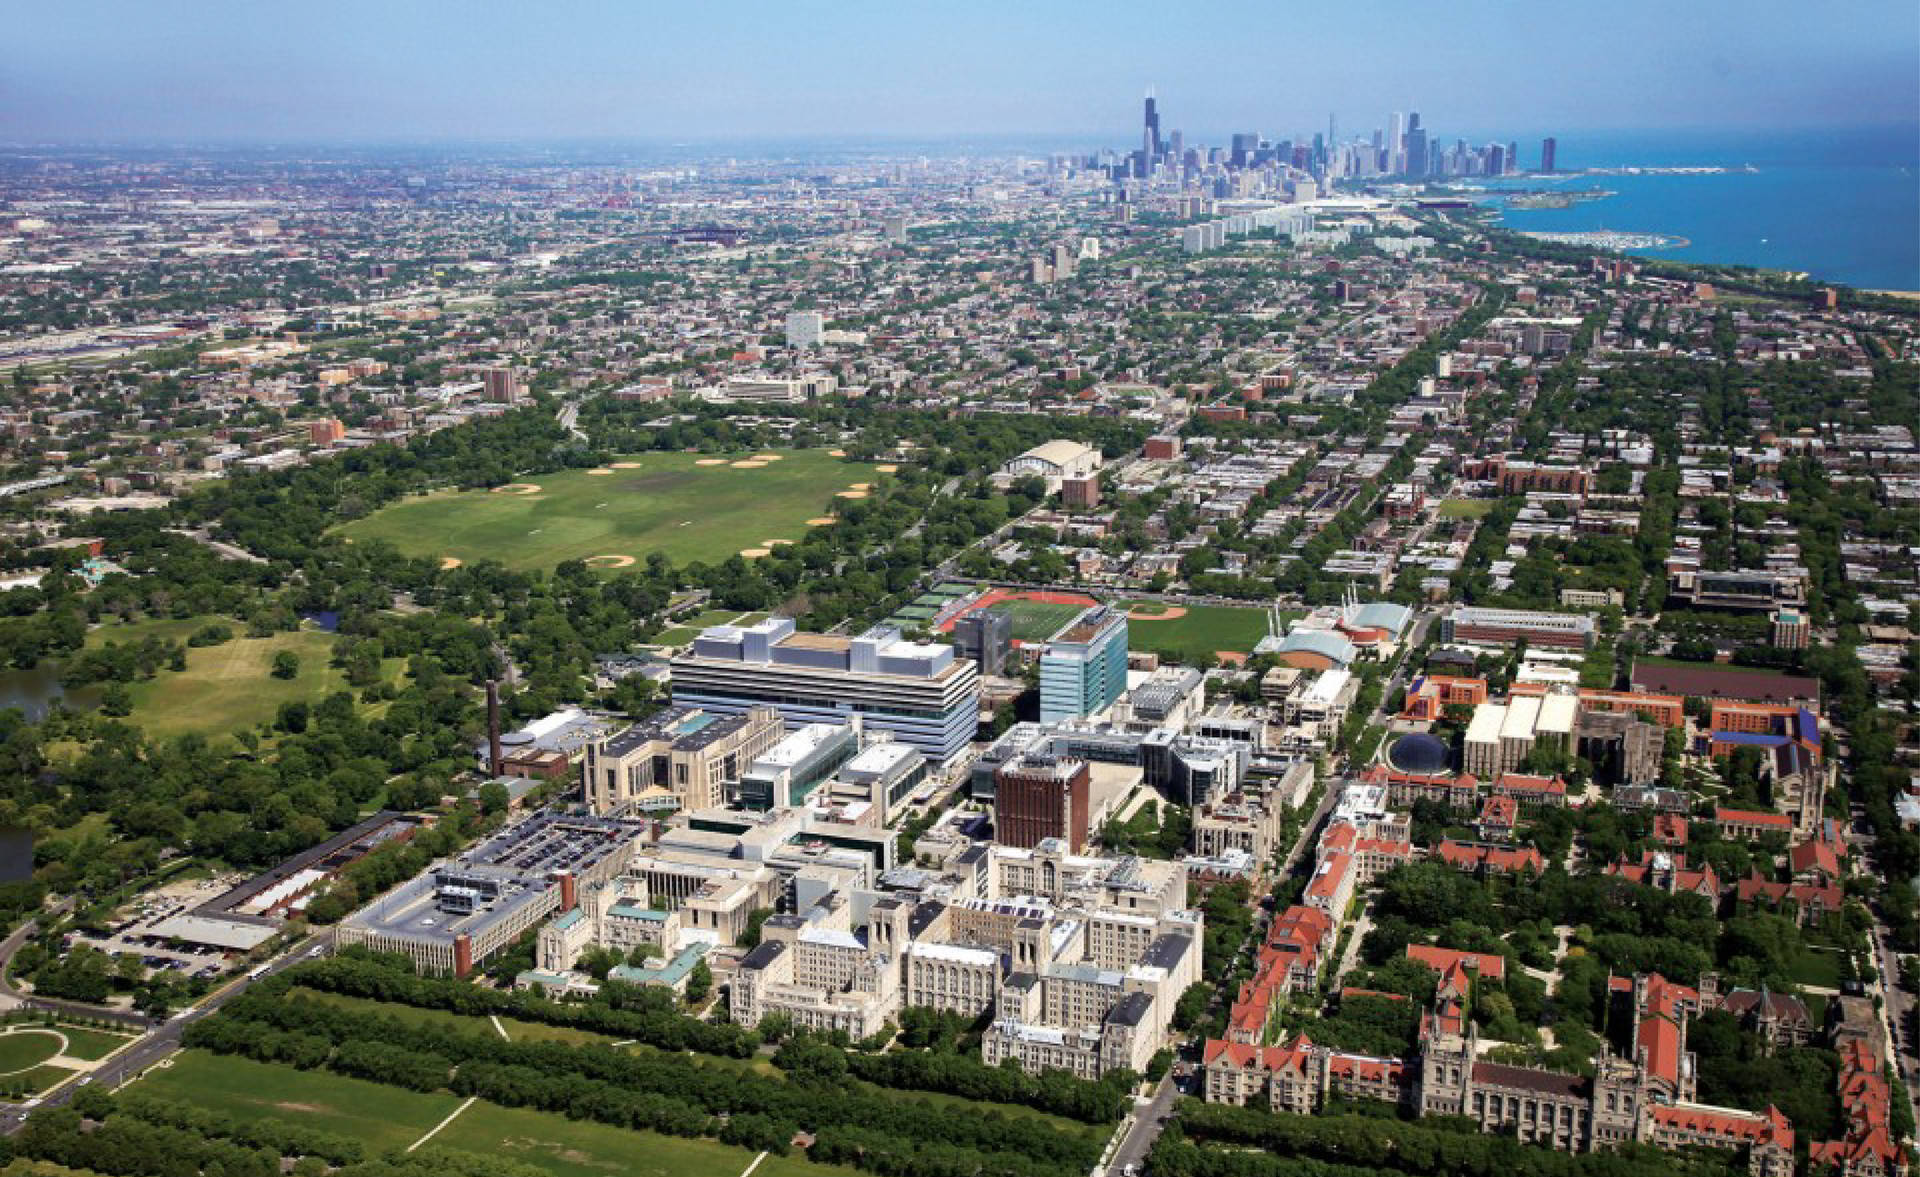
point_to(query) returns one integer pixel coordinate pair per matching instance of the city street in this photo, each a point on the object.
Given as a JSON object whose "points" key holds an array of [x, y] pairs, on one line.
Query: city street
{"points": [[161, 1042]]}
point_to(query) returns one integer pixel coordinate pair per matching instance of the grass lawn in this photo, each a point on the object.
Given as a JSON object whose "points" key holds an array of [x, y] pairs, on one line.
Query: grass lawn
{"points": [[721, 617], [24, 1049], [1816, 968], [379, 1116], [665, 502], [517, 1031], [580, 1148], [1036, 621], [92, 1044], [1465, 508], [1202, 630], [384, 1117], [230, 686], [40, 1079], [1061, 1124], [167, 629]]}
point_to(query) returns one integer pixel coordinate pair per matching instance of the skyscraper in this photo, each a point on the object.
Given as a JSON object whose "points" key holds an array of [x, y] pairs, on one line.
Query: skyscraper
{"points": [[1083, 669], [1396, 145], [1547, 147], [1150, 134], [1417, 163]]}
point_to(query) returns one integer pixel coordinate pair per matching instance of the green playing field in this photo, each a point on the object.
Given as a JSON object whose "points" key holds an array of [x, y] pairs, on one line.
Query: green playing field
{"points": [[688, 506]]}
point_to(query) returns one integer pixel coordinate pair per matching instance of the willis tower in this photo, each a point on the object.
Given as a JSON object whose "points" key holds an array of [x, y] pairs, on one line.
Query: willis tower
{"points": [[1150, 135]]}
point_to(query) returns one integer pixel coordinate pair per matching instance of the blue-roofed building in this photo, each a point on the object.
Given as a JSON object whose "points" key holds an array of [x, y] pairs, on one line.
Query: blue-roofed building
{"points": [[1789, 742], [1385, 616], [1316, 649], [671, 974]]}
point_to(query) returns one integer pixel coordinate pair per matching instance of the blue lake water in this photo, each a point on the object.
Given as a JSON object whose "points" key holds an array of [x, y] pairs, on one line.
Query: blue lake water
{"points": [[1840, 205]]}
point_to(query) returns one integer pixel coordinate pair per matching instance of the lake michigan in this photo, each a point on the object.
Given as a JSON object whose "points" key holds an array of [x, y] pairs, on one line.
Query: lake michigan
{"points": [[1840, 205]]}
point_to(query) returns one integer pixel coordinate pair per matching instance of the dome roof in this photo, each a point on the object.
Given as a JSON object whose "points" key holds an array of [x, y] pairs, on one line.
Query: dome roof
{"points": [[1419, 752]]}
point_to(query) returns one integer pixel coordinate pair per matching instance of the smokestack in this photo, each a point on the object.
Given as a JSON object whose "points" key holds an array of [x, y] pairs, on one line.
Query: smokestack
{"points": [[569, 895], [495, 758], [462, 955]]}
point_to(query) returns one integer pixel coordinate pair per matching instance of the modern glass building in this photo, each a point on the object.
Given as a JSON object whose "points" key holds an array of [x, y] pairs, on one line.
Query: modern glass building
{"points": [[1083, 669], [919, 692]]}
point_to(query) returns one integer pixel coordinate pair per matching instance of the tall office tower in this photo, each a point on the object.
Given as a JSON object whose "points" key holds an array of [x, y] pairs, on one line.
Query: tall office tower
{"points": [[804, 328], [1083, 668], [1038, 797], [1150, 134], [1513, 156], [1496, 160], [919, 692], [1177, 147], [1243, 144], [1547, 148], [502, 385], [1396, 144], [1417, 163]]}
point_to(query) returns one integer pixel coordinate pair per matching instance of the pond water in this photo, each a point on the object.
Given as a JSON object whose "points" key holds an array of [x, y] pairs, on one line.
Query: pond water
{"points": [[35, 691]]}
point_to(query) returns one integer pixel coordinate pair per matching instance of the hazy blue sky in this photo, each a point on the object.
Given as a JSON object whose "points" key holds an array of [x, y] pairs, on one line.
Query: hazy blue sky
{"points": [[412, 69]]}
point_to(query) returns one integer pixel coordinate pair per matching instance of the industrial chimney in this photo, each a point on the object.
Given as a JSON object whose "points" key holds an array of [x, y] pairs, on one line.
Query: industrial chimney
{"points": [[495, 758]]}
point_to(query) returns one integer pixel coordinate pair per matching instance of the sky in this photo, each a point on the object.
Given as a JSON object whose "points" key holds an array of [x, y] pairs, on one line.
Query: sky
{"points": [[425, 70]]}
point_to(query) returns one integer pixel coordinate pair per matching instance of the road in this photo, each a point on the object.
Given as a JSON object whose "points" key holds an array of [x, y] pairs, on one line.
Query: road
{"points": [[225, 550], [1149, 1119], [569, 414], [161, 1042], [16, 998]]}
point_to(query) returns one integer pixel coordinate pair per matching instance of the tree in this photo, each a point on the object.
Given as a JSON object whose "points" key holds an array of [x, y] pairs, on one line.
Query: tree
{"points": [[699, 982], [286, 664], [116, 700], [494, 798]]}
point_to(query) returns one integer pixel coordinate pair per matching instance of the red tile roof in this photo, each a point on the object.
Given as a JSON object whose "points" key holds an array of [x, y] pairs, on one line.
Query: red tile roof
{"points": [[1489, 966], [1768, 1127], [1752, 817]]}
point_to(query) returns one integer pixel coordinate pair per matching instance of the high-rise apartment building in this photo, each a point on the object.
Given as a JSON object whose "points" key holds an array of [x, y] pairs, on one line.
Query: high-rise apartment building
{"points": [[1037, 797], [1064, 260], [1083, 669], [804, 328], [919, 692], [1547, 149], [502, 385]]}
